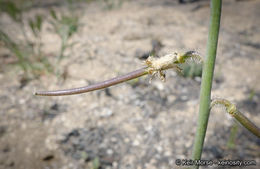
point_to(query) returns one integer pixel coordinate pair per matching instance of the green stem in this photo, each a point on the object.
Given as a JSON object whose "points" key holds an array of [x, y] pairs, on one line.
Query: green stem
{"points": [[62, 49], [207, 76]]}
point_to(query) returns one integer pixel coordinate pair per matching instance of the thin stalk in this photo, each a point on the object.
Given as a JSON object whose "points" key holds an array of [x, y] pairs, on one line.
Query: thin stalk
{"points": [[207, 76]]}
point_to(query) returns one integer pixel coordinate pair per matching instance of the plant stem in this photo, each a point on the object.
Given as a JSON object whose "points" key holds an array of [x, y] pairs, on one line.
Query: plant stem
{"points": [[207, 76]]}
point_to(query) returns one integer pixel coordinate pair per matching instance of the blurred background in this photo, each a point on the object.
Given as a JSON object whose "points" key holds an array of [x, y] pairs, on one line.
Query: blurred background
{"points": [[58, 44]]}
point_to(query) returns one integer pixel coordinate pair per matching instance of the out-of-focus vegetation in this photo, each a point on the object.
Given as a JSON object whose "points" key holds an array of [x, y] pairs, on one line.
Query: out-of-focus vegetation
{"points": [[64, 26], [191, 70], [232, 137], [112, 4], [28, 51], [29, 54]]}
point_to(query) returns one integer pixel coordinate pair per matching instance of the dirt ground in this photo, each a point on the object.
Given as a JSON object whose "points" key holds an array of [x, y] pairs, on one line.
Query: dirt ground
{"points": [[132, 125]]}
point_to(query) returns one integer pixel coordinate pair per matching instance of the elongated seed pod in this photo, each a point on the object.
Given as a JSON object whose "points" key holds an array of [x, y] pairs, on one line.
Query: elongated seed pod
{"points": [[234, 112], [153, 66], [97, 86], [247, 123]]}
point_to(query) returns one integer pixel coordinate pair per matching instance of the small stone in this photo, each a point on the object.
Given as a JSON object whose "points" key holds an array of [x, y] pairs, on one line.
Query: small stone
{"points": [[167, 153], [110, 151], [184, 98], [126, 140], [159, 85], [21, 101], [113, 139], [159, 149], [136, 143], [28, 150], [115, 164], [171, 98], [184, 90], [106, 112], [198, 79], [188, 144]]}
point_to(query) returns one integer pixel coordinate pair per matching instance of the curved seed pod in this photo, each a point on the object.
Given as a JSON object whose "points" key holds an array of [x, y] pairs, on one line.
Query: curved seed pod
{"points": [[154, 66], [97, 86], [233, 111]]}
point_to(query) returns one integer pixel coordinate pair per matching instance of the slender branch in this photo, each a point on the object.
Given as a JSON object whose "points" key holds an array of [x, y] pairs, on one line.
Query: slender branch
{"points": [[207, 76], [232, 110]]}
